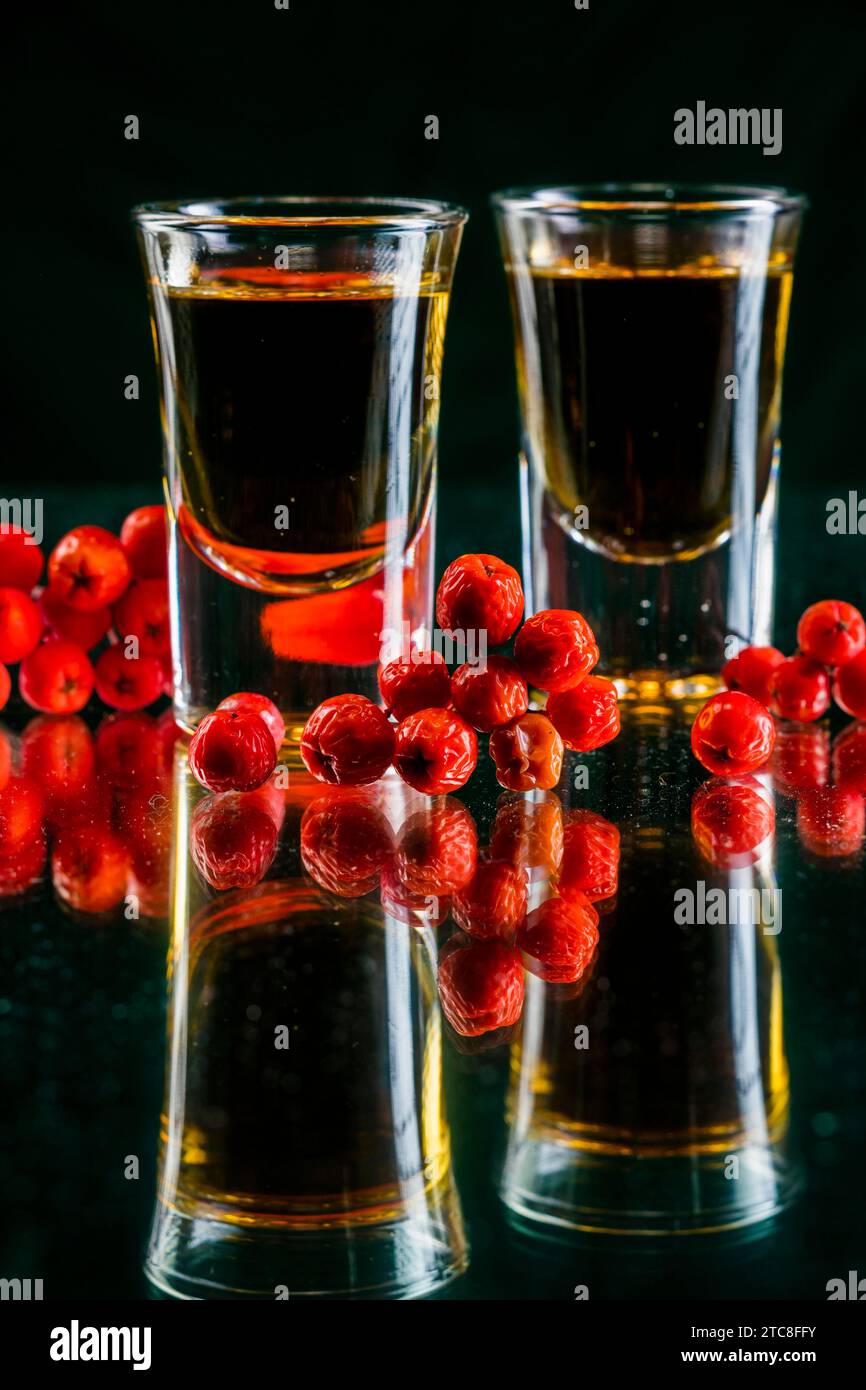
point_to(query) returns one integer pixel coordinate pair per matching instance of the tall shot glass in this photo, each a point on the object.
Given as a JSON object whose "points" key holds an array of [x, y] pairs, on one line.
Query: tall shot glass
{"points": [[299, 344], [650, 329]]}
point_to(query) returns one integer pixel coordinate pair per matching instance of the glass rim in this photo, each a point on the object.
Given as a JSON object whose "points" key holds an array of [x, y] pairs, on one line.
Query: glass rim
{"points": [[649, 198], [377, 213]]}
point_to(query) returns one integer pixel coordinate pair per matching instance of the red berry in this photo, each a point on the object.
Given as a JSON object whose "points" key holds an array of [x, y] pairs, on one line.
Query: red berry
{"points": [[89, 867], [559, 938], [556, 649], [57, 678], [232, 840], [731, 821], [831, 821], [127, 682], [489, 695], [5, 686], [142, 613], [480, 593], [587, 716], [21, 811], [21, 560], [481, 986], [527, 753], [849, 759], [246, 702], [849, 687], [528, 834], [437, 850], [232, 752], [344, 843], [143, 537], [493, 902], [733, 733], [128, 750], [347, 740], [20, 625], [88, 569], [435, 751], [801, 759], [750, 671], [418, 682], [590, 857], [5, 761], [415, 909], [85, 629], [799, 690], [831, 632], [20, 870], [58, 754]]}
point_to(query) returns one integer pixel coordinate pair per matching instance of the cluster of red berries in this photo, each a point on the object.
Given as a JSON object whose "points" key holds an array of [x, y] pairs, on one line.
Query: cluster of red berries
{"points": [[734, 732], [349, 741], [101, 589], [97, 807], [434, 866]]}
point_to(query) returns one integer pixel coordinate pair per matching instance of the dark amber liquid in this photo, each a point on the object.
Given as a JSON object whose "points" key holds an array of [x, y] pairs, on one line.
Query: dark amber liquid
{"points": [[304, 1135], [296, 399], [629, 407]]}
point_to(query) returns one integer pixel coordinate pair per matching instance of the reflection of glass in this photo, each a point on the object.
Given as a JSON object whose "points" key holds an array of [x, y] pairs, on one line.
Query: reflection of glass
{"points": [[304, 1145], [650, 325], [655, 1098], [300, 347]]}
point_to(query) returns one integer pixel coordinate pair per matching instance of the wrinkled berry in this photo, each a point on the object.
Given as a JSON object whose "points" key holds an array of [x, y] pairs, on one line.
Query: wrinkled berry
{"points": [[559, 938], [347, 741], [849, 687], [556, 649], [481, 985], [831, 632], [344, 843], [480, 593], [435, 751], [799, 690], [493, 903], [527, 753], [732, 734], [750, 671], [437, 849], [232, 752], [731, 821], [587, 716], [419, 682], [590, 857]]}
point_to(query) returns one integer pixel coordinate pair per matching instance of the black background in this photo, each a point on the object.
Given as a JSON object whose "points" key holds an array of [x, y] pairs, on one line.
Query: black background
{"points": [[330, 97]]}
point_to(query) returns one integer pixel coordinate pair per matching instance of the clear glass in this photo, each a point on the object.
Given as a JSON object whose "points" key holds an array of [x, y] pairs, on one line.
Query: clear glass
{"points": [[650, 327], [653, 1098], [299, 344], [304, 1146]]}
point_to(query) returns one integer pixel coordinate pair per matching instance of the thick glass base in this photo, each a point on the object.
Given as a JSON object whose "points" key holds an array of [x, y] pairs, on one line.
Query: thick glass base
{"points": [[549, 1184], [411, 1256]]}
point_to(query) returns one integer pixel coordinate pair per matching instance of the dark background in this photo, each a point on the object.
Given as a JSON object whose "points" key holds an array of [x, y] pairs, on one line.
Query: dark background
{"points": [[330, 97]]}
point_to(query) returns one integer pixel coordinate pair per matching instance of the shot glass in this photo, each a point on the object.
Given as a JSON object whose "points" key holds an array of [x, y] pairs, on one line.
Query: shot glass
{"points": [[652, 1099], [299, 345], [650, 327], [304, 1147]]}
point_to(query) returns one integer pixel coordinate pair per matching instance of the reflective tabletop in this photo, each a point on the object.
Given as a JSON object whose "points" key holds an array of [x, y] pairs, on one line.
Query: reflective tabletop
{"points": [[300, 1101]]}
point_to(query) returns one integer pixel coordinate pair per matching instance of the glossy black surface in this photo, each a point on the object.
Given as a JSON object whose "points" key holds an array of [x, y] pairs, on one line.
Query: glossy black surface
{"points": [[82, 1023]]}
